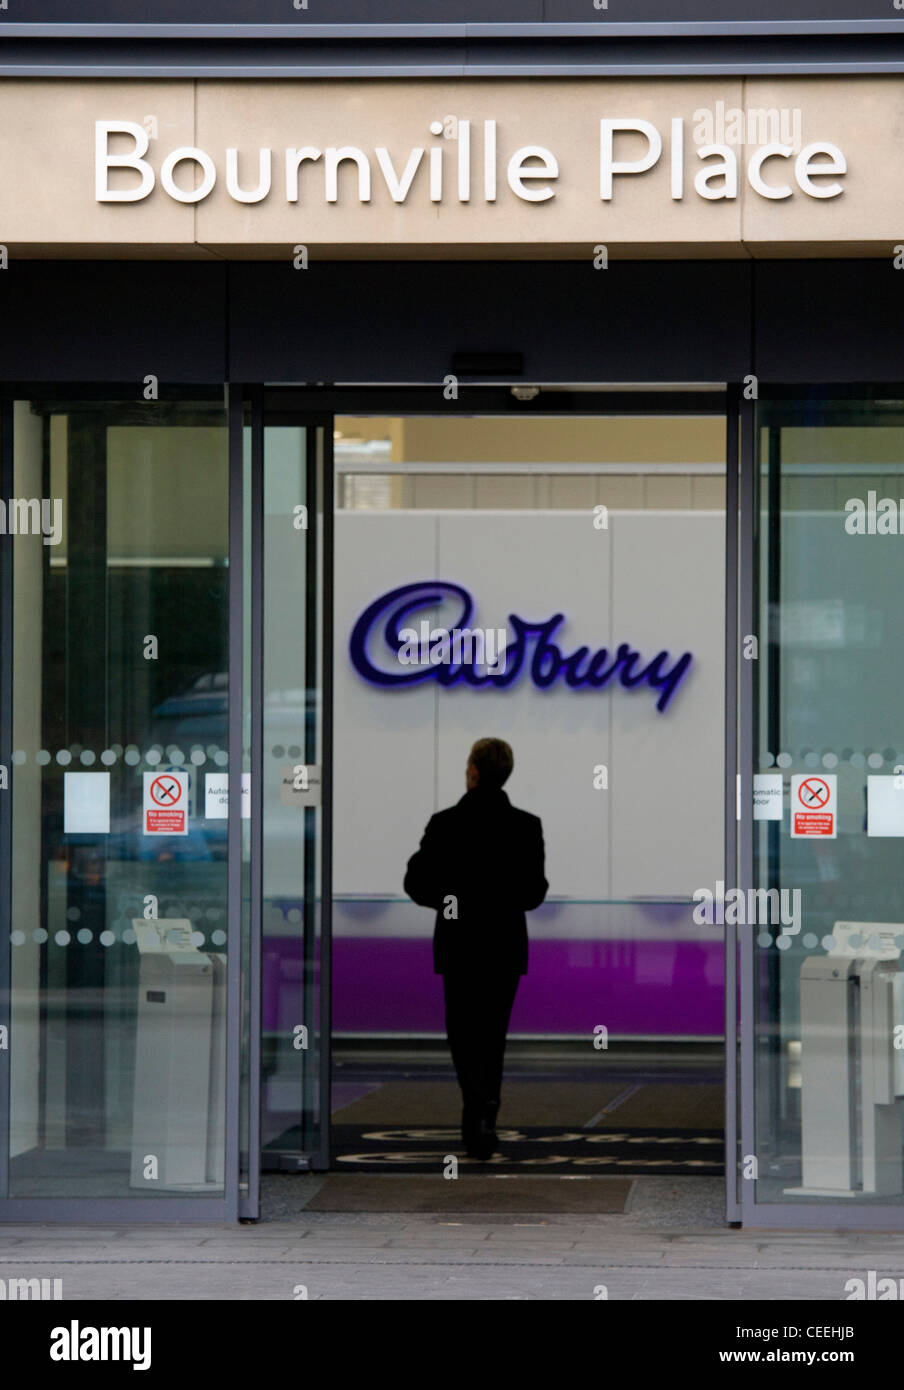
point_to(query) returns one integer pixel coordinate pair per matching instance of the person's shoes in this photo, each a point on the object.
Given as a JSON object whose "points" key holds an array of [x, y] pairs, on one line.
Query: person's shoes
{"points": [[469, 1119], [485, 1141]]}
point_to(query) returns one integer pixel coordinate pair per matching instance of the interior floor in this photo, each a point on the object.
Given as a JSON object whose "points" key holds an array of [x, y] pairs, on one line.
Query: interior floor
{"points": [[566, 1109]]}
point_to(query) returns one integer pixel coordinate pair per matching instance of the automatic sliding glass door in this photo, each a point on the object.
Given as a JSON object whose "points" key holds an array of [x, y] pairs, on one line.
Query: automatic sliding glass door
{"points": [[292, 645], [115, 727], [824, 1007]]}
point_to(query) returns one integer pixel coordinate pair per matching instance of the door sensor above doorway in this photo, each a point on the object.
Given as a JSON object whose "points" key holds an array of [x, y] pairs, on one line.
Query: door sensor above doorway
{"points": [[504, 364]]}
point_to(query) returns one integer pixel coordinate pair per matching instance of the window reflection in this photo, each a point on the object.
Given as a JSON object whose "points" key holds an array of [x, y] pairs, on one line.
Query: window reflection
{"points": [[120, 655]]}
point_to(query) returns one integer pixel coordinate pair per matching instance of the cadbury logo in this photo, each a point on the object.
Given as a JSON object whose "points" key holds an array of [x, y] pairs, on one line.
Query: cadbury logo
{"points": [[381, 650]]}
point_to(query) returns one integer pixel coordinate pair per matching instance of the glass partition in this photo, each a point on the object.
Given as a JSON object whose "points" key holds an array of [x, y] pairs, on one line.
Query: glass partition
{"points": [[119, 759], [291, 716], [828, 927]]}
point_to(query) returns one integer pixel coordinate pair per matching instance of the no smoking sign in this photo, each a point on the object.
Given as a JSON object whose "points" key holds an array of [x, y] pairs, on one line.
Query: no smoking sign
{"points": [[814, 806], [165, 803]]}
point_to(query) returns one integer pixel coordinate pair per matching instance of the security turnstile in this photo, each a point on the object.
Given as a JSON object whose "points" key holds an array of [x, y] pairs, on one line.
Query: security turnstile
{"points": [[178, 1139], [852, 1072]]}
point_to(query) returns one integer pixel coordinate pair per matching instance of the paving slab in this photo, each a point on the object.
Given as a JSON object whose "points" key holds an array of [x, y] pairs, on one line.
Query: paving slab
{"points": [[672, 1243]]}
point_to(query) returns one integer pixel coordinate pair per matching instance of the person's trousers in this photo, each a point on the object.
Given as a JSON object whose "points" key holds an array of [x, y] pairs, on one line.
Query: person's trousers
{"points": [[478, 1009]]}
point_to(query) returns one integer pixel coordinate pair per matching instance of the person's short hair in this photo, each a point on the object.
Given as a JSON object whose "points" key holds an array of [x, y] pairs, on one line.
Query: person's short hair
{"points": [[493, 759]]}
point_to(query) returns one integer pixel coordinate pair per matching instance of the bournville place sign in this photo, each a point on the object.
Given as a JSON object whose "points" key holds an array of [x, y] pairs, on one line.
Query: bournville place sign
{"points": [[459, 164]]}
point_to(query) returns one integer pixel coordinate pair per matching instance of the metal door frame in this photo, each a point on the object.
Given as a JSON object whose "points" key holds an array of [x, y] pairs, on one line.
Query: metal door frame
{"points": [[251, 405], [263, 407], [731, 797]]}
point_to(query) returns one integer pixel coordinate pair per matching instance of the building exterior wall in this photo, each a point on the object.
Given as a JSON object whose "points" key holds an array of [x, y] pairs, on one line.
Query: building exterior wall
{"points": [[51, 203], [657, 283]]}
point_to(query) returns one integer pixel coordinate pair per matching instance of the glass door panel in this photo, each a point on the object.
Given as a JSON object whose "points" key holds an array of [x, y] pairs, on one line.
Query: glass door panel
{"points": [[828, 931], [294, 772], [117, 622]]}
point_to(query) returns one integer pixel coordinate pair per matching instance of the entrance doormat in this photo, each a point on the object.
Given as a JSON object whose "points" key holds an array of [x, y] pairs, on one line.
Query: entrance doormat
{"points": [[489, 1195], [641, 1104], [417, 1102], [528, 1150]]}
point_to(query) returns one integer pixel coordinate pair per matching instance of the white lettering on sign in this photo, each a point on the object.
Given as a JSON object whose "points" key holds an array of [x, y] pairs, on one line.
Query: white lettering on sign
{"points": [[629, 146], [816, 160]]}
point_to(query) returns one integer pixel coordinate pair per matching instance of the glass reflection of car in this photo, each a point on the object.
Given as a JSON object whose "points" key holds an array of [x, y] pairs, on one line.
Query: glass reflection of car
{"points": [[199, 718], [196, 718]]}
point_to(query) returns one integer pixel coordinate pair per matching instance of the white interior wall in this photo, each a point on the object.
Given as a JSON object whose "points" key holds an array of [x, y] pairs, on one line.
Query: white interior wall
{"points": [[654, 579]]}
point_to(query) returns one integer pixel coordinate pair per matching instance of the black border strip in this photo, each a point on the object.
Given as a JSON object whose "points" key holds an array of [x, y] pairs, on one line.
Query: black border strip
{"points": [[732, 444], [7, 489]]}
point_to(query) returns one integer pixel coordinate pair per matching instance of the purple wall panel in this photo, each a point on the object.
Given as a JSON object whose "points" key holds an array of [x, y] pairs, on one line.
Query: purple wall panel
{"points": [[634, 987]]}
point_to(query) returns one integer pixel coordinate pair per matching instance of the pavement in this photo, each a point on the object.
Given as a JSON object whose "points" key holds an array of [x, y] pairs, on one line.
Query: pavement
{"points": [[670, 1243]]}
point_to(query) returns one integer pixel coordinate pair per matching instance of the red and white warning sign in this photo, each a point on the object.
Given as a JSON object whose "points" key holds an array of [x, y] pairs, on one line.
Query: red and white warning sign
{"points": [[814, 805], [165, 803]]}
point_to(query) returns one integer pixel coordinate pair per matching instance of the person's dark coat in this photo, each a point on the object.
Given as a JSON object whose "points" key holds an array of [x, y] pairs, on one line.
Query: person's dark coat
{"points": [[481, 867]]}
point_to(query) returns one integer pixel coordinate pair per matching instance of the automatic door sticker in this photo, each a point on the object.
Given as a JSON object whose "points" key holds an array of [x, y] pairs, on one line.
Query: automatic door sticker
{"points": [[767, 796], [300, 785], [216, 795], [165, 803], [814, 806]]}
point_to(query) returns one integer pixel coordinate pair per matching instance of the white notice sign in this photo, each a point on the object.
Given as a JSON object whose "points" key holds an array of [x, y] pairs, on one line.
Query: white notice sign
{"points": [[216, 795], [300, 785], [86, 803], [885, 806], [767, 795]]}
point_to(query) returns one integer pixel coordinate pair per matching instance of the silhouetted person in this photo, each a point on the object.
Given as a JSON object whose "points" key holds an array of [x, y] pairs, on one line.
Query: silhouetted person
{"points": [[480, 866]]}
